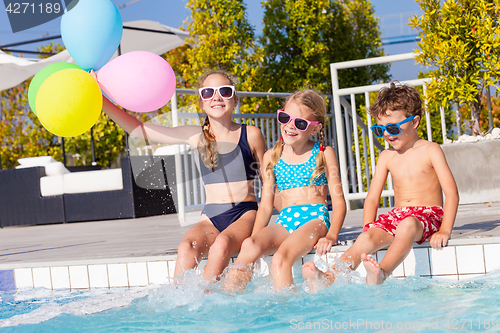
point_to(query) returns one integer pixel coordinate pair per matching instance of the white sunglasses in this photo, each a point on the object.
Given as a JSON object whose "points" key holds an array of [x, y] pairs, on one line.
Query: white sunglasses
{"points": [[207, 93]]}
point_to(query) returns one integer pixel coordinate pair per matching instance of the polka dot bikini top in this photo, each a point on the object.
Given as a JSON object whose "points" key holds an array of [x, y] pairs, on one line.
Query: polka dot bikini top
{"points": [[298, 175]]}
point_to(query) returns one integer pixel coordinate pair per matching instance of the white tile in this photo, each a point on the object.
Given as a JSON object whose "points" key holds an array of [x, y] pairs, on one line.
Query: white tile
{"points": [[262, 267], [266, 266], [60, 277], [308, 258], [491, 257], [361, 270], [417, 262], [466, 277], [98, 276], [446, 277], [23, 278], [470, 259], [332, 257], [201, 266], [157, 272], [297, 268], [171, 269], [117, 275], [79, 277], [137, 274], [398, 271], [323, 258], [41, 277], [443, 261]]}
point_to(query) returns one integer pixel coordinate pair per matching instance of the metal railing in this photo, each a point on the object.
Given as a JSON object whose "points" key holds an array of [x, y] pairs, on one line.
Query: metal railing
{"points": [[346, 131], [189, 187], [354, 186]]}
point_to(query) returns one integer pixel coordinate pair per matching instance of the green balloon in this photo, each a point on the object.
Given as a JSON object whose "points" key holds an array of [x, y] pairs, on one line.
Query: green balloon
{"points": [[41, 76]]}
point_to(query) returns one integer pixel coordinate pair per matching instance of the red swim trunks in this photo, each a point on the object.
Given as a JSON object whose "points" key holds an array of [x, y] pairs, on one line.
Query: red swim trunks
{"points": [[430, 217]]}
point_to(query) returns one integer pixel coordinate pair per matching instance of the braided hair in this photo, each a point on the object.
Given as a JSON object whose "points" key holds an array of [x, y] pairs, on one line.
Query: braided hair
{"points": [[207, 143], [317, 106]]}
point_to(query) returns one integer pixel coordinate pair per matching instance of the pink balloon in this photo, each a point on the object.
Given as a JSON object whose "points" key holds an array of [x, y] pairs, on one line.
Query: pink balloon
{"points": [[138, 81]]}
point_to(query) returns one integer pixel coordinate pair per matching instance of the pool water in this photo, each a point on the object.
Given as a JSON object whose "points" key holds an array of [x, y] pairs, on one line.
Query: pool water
{"points": [[401, 305]]}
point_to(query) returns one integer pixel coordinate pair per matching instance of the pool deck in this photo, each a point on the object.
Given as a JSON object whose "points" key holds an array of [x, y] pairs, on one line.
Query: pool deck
{"points": [[154, 239], [160, 236]]}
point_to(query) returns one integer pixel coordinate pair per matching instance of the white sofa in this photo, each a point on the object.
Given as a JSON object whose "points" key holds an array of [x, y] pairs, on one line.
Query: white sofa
{"points": [[59, 180]]}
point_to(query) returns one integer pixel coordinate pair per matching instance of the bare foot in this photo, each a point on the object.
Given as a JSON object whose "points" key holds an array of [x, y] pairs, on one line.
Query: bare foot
{"points": [[374, 274], [315, 278], [238, 277]]}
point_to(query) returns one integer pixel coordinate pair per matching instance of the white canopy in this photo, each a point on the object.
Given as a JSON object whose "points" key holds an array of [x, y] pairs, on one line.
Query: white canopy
{"points": [[15, 70]]}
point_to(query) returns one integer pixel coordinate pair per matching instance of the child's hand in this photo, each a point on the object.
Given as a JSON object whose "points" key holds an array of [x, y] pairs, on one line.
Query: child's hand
{"points": [[439, 239], [324, 245]]}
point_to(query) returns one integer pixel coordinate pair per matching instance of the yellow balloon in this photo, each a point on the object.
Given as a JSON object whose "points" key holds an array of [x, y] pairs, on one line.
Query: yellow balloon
{"points": [[69, 102]]}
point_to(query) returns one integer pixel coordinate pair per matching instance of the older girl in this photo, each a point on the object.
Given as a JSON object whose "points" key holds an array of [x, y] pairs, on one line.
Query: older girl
{"points": [[229, 157]]}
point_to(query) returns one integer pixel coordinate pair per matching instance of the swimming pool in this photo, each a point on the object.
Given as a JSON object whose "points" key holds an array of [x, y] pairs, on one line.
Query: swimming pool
{"points": [[400, 305]]}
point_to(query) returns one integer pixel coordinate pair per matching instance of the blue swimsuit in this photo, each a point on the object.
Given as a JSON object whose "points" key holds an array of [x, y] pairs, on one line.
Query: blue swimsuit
{"points": [[299, 175], [237, 165]]}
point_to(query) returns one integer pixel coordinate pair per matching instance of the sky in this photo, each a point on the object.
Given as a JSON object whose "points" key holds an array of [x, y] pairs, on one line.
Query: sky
{"points": [[393, 15]]}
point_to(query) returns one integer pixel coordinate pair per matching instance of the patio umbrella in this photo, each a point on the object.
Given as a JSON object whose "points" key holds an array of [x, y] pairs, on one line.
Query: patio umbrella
{"points": [[137, 35]]}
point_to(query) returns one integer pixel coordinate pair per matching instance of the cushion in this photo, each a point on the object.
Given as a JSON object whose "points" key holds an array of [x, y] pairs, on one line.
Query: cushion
{"points": [[93, 181], [170, 150], [55, 169], [51, 186], [36, 161]]}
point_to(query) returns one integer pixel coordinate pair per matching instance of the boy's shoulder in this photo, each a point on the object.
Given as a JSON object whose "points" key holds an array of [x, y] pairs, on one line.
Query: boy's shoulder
{"points": [[426, 146]]}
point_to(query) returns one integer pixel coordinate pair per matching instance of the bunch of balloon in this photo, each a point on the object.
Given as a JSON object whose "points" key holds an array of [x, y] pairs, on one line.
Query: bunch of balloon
{"points": [[139, 81], [64, 96], [68, 100]]}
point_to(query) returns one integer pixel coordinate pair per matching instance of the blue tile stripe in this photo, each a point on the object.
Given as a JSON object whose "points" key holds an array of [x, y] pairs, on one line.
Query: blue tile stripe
{"points": [[7, 281]]}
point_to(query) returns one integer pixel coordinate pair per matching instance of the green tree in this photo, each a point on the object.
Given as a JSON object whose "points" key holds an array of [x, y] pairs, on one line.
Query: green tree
{"points": [[21, 134], [220, 37], [301, 38], [460, 39]]}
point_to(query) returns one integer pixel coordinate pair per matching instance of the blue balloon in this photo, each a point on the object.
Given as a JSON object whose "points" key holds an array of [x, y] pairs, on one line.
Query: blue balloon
{"points": [[91, 31]]}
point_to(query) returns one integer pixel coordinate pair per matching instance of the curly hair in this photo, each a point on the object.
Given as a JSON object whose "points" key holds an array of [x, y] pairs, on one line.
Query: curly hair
{"points": [[397, 97]]}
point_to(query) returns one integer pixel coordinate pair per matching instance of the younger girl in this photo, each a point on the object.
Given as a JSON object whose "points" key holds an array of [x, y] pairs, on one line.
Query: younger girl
{"points": [[230, 156], [303, 170]]}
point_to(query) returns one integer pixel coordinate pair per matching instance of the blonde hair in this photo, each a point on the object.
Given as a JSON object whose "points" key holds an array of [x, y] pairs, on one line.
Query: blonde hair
{"points": [[316, 104], [206, 144]]}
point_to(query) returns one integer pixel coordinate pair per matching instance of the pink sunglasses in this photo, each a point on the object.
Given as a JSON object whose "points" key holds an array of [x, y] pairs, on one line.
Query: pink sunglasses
{"points": [[300, 123]]}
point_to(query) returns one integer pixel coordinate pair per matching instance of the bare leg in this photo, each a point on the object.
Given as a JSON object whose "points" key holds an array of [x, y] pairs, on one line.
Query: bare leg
{"points": [[266, 241], [226, 244], [408, 231], [194, 246], [295, 246], [367, 242]]}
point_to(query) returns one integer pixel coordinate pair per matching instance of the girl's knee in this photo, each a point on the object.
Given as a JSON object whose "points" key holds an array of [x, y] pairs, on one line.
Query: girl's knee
{"points": [[249, 245], [281, 259], [186, 247], [221, 244]]}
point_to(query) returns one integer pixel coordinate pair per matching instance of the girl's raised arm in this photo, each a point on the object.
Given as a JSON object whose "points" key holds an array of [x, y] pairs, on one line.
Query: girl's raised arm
{"points": [[169, 135]]}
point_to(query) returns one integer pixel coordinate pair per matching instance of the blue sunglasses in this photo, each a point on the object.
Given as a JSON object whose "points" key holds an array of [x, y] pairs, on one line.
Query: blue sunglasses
{"points": [[392, 129]]}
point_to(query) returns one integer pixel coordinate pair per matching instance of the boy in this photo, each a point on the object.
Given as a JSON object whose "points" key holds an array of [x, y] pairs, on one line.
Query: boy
{"points": [[420, 175]]}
